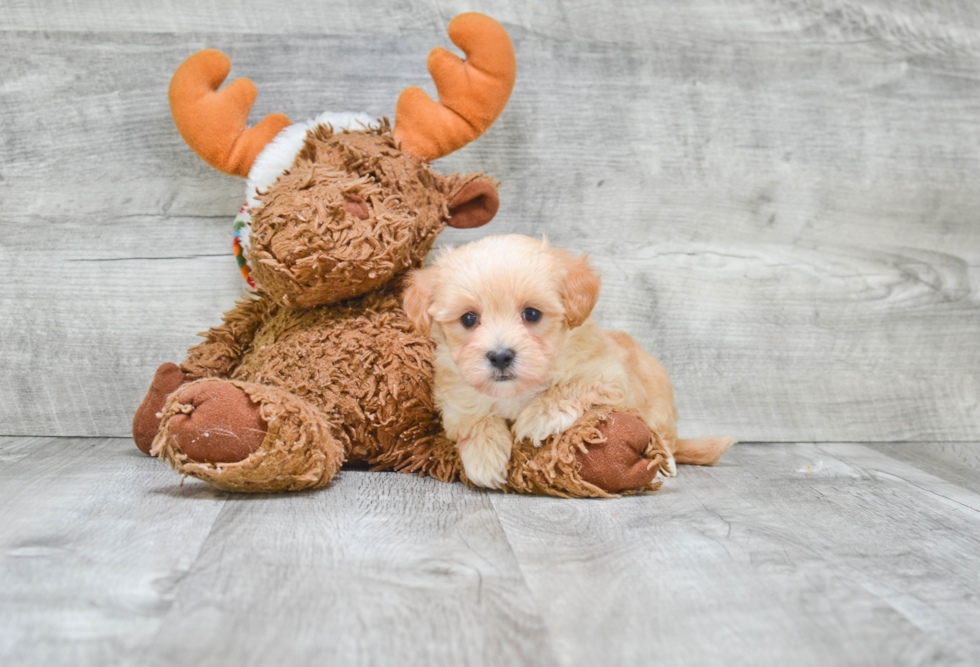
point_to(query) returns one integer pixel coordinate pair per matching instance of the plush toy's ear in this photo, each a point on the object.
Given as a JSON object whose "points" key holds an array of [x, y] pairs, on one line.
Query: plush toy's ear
{"points": [[418, 298], [474, 205], [580, 290]]}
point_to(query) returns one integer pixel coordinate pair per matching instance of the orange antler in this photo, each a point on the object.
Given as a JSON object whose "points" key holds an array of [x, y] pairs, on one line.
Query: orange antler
{"points": [[215, 123], [472, 92]]}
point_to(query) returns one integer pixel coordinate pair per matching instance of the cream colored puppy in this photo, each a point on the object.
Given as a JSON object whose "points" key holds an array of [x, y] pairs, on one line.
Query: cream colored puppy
{"points": [[518, 355]]}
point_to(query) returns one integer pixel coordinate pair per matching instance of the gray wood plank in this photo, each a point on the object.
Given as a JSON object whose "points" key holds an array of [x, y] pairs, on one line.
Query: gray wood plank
{"points": [[94, 538], [13, 449], [785, 218], [803, 554], [377, 569], [934, 24], [849, 364], [808, 554], [816, 344], [955, 462]]}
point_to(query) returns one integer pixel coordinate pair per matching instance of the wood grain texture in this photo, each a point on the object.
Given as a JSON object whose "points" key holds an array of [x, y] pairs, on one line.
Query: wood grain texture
{"points": [[787, 554], [932, 25], [94, 538], [801, 554], [380, 569], [779, 194], [956, 462]]}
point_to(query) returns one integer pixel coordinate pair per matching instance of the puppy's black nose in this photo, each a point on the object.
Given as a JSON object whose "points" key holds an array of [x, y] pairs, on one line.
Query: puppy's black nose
{"points": [[501, 358]]}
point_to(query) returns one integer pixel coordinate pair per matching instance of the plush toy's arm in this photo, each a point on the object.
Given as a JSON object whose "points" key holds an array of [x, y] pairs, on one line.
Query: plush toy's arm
{"points": [[223, 347]]}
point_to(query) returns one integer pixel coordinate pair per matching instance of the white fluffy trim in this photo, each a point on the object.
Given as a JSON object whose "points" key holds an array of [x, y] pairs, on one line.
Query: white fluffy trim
{"points": [[278, 155]]}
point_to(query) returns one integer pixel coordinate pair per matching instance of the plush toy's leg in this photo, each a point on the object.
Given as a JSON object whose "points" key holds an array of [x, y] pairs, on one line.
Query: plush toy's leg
{"points": [[628, 460], [146, 421], [218, 423], [428, 452], [241, 436], [607, 451]]}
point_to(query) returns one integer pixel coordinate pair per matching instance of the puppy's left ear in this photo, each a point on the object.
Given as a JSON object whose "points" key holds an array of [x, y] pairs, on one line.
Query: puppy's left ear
{"points": [[580, 290], [473, 205], [418, 298]]}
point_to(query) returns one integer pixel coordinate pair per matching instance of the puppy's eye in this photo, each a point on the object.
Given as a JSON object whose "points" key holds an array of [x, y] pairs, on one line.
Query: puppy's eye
{"points": [[470, 320], [531, 315]]}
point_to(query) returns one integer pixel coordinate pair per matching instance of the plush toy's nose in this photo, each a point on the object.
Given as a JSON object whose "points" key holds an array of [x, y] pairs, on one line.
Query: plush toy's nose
{"points": [[501, 358]]}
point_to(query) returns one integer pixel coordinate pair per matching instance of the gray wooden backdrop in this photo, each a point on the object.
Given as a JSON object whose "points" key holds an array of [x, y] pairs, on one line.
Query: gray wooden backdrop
{"points": [[780, 193]]}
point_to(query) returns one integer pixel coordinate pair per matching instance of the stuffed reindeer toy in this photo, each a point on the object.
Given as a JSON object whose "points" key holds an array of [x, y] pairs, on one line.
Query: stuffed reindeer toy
{"points": [[319, 365]]}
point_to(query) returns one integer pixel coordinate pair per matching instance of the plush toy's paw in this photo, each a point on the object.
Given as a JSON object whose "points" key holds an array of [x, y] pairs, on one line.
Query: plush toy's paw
{"points": [[542, 419], [218, 423], [629, 458], [146, 421]]}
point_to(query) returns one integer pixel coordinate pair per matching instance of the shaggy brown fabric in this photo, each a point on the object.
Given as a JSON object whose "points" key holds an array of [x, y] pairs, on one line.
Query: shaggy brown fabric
{"points": [[146, 421], [309, 249], [298, 452], [433, 455], [359, 362], [224, 345], [554, 468], [358, 365]]}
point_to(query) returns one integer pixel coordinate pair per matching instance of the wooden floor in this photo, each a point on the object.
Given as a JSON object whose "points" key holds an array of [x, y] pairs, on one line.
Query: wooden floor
{"points": [[783, 554]]}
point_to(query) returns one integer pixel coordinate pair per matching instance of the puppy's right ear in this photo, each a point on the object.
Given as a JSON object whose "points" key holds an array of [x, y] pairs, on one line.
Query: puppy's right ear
{"points": [[418, 298]]}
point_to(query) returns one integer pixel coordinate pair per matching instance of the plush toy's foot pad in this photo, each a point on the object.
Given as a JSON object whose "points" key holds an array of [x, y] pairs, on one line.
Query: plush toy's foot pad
{"points": [[146, 421], [217, 423], [623, 462]]}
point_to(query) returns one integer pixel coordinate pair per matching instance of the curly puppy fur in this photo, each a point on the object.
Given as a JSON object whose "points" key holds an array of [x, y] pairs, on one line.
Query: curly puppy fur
{"points": [[519, 357]]}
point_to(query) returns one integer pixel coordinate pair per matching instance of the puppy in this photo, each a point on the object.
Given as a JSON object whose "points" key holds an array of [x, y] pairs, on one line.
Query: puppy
{"points": [[518, 355]]}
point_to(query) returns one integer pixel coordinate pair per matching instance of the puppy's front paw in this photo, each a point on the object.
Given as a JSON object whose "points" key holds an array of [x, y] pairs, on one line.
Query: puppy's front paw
{"points": [[542, 419], [485, 456]]}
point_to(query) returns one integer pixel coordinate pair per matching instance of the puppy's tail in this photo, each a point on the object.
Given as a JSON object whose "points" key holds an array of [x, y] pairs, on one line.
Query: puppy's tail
{"points": [[702, 451]]}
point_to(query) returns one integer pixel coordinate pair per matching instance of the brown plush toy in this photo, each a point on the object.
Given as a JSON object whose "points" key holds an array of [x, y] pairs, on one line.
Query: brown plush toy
{"points": [[320, 365]]}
